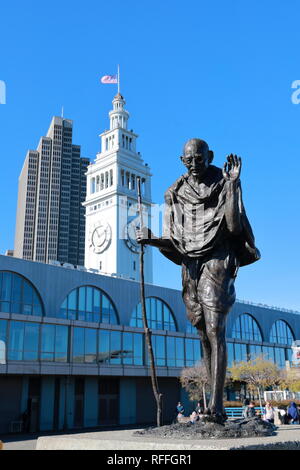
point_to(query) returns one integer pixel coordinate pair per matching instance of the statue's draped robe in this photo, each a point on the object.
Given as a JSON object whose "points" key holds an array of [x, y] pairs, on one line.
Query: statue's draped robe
{"points": [[195, 223]]}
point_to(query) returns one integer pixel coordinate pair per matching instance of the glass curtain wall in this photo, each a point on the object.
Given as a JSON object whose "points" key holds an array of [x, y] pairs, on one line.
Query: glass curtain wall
{"points": [[30, 341], [54, 343]]}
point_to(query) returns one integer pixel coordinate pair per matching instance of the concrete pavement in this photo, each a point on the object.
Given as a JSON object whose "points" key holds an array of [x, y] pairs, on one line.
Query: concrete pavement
{"points": [[287, 437]]}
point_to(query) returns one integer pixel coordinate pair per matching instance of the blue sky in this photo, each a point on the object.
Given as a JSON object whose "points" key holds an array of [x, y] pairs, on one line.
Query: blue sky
{"points": [[221, 71]]}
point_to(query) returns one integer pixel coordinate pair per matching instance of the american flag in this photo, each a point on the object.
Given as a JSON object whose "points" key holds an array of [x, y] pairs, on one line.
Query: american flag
{"points": [[109, 79]]}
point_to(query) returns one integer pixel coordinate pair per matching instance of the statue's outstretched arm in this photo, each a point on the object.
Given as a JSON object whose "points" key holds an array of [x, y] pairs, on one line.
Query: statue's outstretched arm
{"points": [[145, 236], [231, 173]]}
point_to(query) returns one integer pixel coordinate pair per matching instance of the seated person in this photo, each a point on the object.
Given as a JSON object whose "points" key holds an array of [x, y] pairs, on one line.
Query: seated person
{"points": [[249, 411], [180, 408], [194, 417]]}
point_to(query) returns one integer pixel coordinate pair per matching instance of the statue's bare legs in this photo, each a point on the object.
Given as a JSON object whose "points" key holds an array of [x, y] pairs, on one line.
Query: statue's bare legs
{"points": [[211, 329], [215, 336]]}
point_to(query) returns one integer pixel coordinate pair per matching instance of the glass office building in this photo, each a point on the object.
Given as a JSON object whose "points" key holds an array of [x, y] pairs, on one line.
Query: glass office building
{"points": [[50, 219], [73, 353]]}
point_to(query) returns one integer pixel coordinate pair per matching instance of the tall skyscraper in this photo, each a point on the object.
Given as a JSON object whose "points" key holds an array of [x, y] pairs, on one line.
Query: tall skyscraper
{"points": [[111, 201], [50, 222]]}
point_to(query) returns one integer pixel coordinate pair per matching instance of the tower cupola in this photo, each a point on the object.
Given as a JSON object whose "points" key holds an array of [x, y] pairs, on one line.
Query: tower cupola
{"points": [[118, 116]]}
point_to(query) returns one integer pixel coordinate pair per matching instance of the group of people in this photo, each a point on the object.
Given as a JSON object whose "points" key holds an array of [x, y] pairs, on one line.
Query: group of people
{"points": [[249, 411], [290, 415], [194, 416]]}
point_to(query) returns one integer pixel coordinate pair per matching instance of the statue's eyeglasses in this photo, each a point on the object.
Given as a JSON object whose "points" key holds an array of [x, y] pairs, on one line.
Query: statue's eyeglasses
{"points": [[198, 157]]}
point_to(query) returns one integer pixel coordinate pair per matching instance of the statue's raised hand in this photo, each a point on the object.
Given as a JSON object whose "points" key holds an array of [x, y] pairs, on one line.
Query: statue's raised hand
{"points": [[232, 168]]}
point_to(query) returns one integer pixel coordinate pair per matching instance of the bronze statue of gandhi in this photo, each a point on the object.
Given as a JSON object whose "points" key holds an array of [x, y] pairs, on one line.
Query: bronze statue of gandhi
{"points": [[207, 232]]}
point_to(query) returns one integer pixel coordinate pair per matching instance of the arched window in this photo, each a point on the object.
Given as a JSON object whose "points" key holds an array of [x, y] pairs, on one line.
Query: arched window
{"points": [[89, 304], [93, 185], [122, 178], [245, 327], [128, 179], [17, 295], [158, 313], [143, 186], [281, 333], [132, 182]]}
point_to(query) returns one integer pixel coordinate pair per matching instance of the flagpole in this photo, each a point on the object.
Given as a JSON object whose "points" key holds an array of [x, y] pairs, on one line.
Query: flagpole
{"points": [[118, 78]]}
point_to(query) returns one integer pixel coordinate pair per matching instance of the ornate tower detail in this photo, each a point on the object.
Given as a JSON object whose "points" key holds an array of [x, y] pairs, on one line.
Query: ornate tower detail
{"points": [[111, 201]]}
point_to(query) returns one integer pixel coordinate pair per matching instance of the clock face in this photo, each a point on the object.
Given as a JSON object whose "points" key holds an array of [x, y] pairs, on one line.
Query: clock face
{"points": [[100, 237], [130, 237]]}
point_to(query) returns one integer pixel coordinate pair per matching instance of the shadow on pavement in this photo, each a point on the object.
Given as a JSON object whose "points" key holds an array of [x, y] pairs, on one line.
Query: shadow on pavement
{"points": [[19, 437]]}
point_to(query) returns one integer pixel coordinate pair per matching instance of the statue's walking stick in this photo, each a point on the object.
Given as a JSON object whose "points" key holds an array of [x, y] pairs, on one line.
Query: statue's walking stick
{"points": [[157, 395]]}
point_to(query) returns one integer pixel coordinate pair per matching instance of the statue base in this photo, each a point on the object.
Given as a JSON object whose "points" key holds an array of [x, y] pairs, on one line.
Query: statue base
{"points": [[213, 418], [212, 427]]}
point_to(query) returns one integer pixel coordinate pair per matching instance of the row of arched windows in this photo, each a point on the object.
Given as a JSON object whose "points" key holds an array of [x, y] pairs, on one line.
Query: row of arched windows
{"points": [[88, 303], [128, 180], [126, 142], [102, 181], [246, 327], [110, 142]]}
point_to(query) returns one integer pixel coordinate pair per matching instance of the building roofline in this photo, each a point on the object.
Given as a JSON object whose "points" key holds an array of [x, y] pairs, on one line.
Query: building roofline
{"points": [[270, 307]]}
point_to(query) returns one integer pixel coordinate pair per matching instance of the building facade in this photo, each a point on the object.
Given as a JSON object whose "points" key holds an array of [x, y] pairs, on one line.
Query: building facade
{"points": [[112, 201], [50, 222], [72, 348]]}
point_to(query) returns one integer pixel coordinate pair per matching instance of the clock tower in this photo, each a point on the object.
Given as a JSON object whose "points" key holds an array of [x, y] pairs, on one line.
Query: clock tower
{"points": [[111, 201]]}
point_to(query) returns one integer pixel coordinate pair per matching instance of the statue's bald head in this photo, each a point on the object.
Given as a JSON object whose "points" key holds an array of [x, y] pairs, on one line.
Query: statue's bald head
{"points": [[195, 145], [196, 157]]}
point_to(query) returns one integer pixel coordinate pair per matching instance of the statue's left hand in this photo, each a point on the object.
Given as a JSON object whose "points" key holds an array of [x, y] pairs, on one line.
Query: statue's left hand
{"points": [[232, 168]]}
